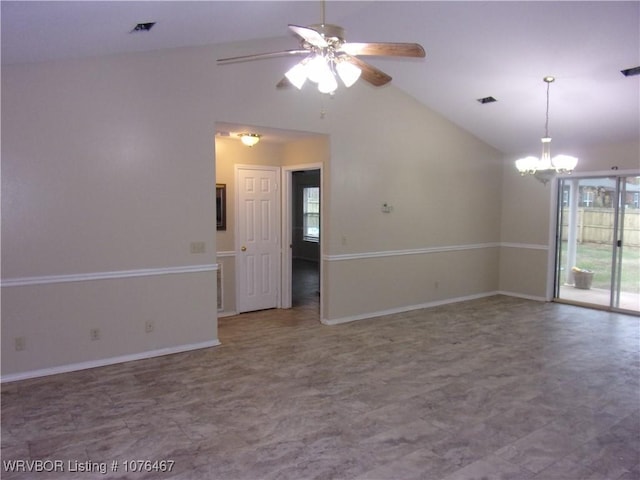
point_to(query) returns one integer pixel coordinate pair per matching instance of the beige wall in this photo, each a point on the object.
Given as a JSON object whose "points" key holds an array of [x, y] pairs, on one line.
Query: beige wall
{"points": [[107, 174], [401, 282], [316, 149], [56, 320], [444, 189], [623, 156], [109, 165]]}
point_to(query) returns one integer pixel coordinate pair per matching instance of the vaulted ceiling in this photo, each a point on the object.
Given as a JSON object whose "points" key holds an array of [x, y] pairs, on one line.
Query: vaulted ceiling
{"points": [[474, 50]]}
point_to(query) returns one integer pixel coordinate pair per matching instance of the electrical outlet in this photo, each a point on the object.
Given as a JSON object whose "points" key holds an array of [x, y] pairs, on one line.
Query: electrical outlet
{"points": [[198, 247], [149, 326], [94, 333], [20, 343]]}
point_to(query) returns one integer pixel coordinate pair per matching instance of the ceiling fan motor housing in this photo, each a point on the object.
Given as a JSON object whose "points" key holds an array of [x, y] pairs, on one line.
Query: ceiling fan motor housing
{"points": [[331, 33]]}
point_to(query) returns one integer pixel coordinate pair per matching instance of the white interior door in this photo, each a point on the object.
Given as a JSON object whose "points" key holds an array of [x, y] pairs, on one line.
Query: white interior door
{"points": [[257, 240]]}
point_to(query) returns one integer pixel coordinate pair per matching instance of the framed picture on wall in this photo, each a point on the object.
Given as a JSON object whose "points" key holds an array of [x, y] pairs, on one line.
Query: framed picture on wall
{"points": [[221, 206]]}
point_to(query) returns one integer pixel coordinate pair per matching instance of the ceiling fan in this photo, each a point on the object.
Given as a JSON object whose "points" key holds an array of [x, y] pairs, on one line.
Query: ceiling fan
{"points": [[327, 55]]}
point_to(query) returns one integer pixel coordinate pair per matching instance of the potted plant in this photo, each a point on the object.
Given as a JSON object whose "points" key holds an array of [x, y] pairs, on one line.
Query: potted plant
{"points": [[582, 278]]}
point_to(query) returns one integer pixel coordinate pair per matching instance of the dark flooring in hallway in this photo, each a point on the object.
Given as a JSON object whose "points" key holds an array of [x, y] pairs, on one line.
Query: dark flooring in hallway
{"points": [[305, 283]]}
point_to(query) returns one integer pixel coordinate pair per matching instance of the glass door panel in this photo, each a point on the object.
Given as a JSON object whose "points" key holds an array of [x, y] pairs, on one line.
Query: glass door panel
{"points": [[627, 292], [597, 259]]}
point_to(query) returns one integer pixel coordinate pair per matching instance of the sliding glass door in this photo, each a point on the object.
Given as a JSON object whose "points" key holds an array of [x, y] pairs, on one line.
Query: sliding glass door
{"points": [[598, 247]]}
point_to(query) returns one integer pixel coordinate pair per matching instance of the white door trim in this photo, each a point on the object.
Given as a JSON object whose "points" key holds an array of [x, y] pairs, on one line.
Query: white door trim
{"points": [[287, 229]]}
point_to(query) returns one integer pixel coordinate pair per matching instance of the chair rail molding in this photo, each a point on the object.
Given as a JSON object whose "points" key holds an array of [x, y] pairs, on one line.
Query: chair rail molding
{"points": [[83, 277]]}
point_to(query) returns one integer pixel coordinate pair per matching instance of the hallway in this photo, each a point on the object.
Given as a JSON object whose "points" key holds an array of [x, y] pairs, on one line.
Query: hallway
{"points": [[305, 282]]}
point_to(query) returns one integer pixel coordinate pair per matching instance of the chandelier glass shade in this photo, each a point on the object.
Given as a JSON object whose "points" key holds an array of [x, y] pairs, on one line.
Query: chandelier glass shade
{"points": [[546, 167]]}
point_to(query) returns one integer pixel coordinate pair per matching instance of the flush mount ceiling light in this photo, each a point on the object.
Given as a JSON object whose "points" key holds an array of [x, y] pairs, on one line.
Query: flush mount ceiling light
{"points": [[545, 167], [249, 139]]}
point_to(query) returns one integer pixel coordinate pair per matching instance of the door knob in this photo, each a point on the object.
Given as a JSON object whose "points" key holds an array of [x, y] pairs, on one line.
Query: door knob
{"points": [[243, 248]]}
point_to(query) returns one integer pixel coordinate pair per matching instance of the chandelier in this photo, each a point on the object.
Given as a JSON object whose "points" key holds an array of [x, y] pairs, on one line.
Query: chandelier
{"points": [[545, 167], [324, 65]]}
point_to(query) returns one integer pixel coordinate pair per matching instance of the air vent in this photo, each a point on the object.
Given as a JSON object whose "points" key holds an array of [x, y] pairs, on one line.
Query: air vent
{"points": [[143, 27], [630, 72], [486, 100]]}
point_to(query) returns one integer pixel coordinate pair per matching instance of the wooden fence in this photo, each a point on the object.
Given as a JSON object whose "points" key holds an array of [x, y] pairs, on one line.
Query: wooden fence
{"points": [[595, 225]]}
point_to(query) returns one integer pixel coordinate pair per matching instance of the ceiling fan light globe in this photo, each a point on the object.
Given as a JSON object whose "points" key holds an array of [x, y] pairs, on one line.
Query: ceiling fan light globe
{"points": [[317, 69], [348, 73], [297, 75], [328, 84]]}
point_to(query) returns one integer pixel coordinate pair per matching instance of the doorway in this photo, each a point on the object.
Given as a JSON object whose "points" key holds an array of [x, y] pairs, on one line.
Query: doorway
{"points": [[305, 250], [598, 242], [302, 233]]}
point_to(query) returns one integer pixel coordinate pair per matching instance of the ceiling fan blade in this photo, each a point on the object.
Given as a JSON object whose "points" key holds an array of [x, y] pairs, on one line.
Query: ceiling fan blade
{"points": [[284, 83], [384, 49], [369, 73], [258, 56], [309, 35]]}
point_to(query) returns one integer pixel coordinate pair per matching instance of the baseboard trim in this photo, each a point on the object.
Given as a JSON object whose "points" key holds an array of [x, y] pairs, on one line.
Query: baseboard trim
{"points": [[521, 295], [408, 308], [74, 367], [226, 314]]}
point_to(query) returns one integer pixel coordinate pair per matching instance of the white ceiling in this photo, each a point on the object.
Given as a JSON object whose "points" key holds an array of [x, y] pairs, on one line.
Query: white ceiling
{"points": [[474, 49]]}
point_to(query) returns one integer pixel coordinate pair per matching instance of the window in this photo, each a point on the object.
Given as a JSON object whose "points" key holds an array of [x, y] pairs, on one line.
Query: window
{"points": [[587, 198], [311, 214]]}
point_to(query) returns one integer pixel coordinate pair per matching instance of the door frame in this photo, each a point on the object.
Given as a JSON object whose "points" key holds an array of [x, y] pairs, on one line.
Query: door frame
{"points": [[554, 240], [287, 229]]}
